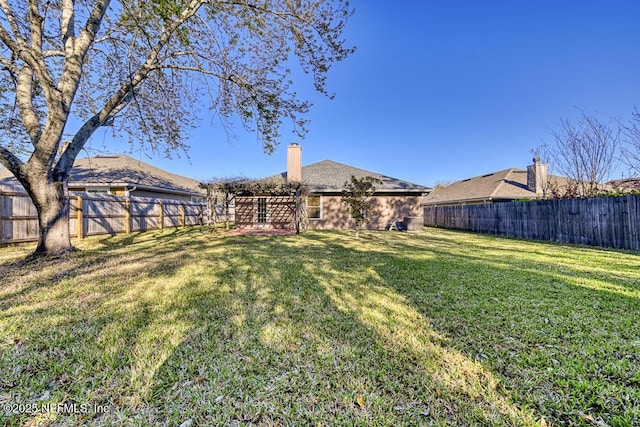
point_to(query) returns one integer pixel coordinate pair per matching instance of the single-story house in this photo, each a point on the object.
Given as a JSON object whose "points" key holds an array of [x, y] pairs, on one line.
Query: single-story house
{"points": [[321, 205], [502, 186], [122, 175]]}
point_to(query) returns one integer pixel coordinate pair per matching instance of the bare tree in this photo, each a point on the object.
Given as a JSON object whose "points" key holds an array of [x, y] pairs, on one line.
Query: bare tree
{"points": [[631, 139], [142, 66], [585, 151]]}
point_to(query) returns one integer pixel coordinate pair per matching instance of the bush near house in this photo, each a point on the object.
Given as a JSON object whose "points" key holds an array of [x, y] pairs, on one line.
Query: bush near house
{"points": [[441, 328]]}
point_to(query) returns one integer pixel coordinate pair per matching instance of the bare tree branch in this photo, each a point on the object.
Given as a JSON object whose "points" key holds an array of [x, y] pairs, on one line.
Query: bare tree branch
{"points": [[24, 99], [631, 139], [10, 160], [585, 150], [19, 41], [10, 66], [75, 50], [122, 97], [143, 67], [35, 21]]}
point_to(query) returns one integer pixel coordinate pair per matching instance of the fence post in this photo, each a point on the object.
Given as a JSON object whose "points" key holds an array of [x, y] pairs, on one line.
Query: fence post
{"points": [[2, 219], [79, 219], [161, 216], [127, 216]]}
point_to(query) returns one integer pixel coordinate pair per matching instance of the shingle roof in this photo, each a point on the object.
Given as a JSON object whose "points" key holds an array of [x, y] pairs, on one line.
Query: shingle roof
{"points": [[625, 184], [8, 182], [507, 184], [121, 170], [329, 176]]}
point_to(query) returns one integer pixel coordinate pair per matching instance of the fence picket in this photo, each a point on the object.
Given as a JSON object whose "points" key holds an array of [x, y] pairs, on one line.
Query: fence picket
{"points": [[600, 221], [95, 215]]}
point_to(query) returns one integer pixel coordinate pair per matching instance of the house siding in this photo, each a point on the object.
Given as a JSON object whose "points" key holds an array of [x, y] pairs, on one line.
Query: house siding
{"points": [[281, 212], [386, 207], [120, 191]]}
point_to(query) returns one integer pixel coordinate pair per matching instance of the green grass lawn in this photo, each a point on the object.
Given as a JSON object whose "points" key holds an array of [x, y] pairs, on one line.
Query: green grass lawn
{"points": [[320, 329]]}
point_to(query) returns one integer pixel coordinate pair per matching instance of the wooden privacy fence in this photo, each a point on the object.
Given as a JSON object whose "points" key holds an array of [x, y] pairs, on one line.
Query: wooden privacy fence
{"points": [[95, 214], [600, 221]]}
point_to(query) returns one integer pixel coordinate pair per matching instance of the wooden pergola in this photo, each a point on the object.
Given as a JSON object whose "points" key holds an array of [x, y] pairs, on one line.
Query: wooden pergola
{"points": [[224, 191]]}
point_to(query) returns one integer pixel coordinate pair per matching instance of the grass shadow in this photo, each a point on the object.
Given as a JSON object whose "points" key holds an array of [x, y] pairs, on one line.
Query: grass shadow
{"points": [[547, 320], [406, 329]]}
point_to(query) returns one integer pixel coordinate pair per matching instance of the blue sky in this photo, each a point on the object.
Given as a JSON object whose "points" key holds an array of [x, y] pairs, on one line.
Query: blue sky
{"points": [[444, 90]]}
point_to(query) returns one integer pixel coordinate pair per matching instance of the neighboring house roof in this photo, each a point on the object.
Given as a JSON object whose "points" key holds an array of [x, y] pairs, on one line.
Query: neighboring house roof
{"points": [[124, 171], [328, 176], [121, 170], [625, 184], [507, 184], [8, 182]]}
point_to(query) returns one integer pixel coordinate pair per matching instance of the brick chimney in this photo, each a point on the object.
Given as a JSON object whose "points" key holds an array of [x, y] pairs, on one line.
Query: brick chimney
{"points": [[294, 163], [537, 176]]}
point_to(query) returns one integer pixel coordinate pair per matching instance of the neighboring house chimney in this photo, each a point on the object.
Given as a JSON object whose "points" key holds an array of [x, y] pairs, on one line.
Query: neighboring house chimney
{"points": [[294, 163], [537, 176]]}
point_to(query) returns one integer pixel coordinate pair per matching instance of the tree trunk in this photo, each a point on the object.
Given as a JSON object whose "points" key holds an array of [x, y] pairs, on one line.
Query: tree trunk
{"points": [[52, 205]]}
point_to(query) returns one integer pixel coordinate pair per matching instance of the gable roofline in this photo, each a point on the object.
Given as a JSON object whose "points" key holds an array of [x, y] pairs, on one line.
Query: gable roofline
{"points": [[503, 185], [132, 187], [328, 176], [484, 187], [121, 171], [509, 173]]}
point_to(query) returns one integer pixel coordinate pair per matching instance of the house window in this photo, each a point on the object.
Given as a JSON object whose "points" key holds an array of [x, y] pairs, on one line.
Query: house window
{"points": [[262, 210], [98, 190], [314, 207]]}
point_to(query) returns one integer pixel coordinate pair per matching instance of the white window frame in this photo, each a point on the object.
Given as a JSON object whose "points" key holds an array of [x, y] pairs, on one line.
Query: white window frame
{"points": [[266, 210], [319, 206]]}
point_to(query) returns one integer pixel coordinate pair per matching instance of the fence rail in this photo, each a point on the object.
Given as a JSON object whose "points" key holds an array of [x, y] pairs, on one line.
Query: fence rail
{"points": [[600, 221], [95, 214]]}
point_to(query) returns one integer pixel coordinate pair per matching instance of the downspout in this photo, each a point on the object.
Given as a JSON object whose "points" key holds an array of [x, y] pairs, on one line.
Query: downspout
{"points": [[127, 191]]}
